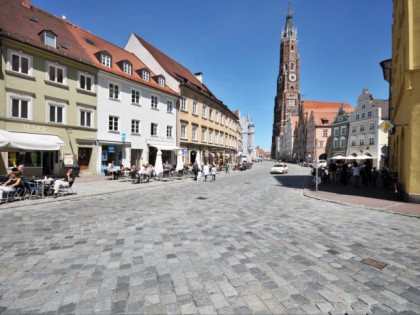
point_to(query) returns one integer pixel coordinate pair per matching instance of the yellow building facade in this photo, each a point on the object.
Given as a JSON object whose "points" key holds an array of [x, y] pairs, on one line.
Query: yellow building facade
{"points": [[405, 97]]}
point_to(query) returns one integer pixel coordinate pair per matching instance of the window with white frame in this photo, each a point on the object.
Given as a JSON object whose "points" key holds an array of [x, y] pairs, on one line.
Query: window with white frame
{"points": [[113, 123], [210, 135], [363, 106], [154, 101], [369, 114], [184, 104], [217, 116], [335, 143], [184, 131], [343, 130], [357, 116], [168, 131], [56, 112], [321, 144], [371, 126], [336, 131], [371, 140], [363, 115], [114, 91], [353, 129], [20, 63], [145, 75], [169, 106], [127, 68], [194, 133], [20, 107], [222, 118], [153, 129], [325, 132], [203, 134], [343, 142], [361, 141], [86, 82], [106, 60], [49, 39], [86, 117], [195, 108], [204, 112], [161, 81], [216, 137], [353, 142], [135, 97], [135, 126], [362, 128], [211, 114], [56, 73]]}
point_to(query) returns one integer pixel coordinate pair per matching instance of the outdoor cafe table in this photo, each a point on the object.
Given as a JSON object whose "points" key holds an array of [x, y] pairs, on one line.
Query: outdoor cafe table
{"points": [[42, 181]]}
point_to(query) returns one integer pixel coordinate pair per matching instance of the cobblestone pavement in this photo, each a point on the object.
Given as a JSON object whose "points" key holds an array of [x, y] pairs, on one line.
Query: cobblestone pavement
{"points": [[249, 243]]}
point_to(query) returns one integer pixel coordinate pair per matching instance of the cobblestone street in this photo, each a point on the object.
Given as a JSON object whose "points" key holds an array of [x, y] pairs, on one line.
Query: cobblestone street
{"points": [[248, 243]]}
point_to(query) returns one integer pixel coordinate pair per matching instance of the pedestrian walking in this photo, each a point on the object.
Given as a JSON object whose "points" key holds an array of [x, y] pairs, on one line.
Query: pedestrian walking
{"points": [[356, 174], [213, 173], [206, 170], [227, 168], [195, 170]]}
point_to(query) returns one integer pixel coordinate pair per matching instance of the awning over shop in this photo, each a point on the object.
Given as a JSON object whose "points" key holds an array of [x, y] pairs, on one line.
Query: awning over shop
{"points": [[164, 146], [18, 141]]}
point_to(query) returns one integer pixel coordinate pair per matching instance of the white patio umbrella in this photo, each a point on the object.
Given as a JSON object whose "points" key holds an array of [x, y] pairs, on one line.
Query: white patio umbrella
{"points": [[198, 159], [338, 157], [364, 157], [158, 163], [179, 164]]}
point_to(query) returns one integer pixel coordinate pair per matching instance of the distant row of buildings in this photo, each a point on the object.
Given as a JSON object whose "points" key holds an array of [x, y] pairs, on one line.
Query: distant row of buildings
{"points": [[71, 98], [383, 131]]}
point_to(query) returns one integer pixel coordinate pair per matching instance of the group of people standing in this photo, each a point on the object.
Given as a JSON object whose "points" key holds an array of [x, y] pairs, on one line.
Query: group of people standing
{"points": [[203, 173], [343, 172]]}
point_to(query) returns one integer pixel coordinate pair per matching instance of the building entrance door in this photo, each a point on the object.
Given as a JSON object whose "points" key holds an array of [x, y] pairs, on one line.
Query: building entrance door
{"points": [[84, 155]]}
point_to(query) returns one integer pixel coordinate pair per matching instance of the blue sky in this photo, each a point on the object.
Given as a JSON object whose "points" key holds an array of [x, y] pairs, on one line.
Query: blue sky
{"points": [[236, 43]]}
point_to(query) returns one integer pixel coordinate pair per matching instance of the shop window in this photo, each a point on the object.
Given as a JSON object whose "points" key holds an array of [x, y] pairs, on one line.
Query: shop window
{"points": [[29, 159]]}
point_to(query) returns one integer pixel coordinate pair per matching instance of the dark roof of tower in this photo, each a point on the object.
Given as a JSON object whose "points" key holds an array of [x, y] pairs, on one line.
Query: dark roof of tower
{"points": [[289, 18]]}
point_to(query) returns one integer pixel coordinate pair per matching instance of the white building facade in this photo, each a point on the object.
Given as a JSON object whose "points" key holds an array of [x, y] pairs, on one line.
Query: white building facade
{"points": [[364, 136], [132, 118]]}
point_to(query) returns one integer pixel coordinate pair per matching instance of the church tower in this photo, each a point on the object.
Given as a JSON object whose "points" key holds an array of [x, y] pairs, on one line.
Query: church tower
{"points": [[287, 100]]}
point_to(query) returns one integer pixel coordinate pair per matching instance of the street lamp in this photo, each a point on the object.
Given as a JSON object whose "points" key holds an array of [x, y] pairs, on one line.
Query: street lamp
{"points": [[386, 66]]}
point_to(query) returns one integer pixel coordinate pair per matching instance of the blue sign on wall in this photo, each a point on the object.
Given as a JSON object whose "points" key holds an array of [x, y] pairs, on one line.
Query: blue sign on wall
{"points": [[123, 136], [111, 149]]}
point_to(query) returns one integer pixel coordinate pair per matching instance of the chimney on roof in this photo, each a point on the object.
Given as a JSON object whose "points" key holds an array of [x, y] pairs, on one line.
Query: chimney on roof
{"points": [[199, 76], [26, 3]]}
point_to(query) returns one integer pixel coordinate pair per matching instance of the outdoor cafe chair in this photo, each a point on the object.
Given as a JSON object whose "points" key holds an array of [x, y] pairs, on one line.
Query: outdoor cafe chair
{"points": [[32, 190]]}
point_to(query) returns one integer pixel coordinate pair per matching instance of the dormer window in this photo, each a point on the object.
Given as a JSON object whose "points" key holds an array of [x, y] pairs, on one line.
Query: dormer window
{"points": [[106, 59], [145, 75], [161, 80], [126, 67], [49, 38]]}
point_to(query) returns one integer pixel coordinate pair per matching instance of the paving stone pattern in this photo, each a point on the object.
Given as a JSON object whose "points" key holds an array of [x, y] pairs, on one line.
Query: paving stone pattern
{"points": [[249, 243]]}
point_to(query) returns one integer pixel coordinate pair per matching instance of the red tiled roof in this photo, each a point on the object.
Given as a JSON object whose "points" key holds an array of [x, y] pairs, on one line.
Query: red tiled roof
{"points": [[176, 70], [311, 105], [26, 25], [94, 45]]}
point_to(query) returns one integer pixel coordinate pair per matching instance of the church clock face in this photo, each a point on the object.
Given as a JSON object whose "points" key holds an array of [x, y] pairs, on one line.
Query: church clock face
{"points": [[292, 77]]}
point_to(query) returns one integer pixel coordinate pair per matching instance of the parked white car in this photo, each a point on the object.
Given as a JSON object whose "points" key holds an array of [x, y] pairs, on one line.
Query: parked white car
{"points": [[279, 168], [321, 163]]}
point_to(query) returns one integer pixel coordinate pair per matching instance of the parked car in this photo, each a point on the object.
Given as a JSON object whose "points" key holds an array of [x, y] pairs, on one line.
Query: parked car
{"points": [[279, 168], [321, 163]]}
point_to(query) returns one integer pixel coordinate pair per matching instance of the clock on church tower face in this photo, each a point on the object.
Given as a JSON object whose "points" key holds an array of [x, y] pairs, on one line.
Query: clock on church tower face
{"points": [[292, 77]]}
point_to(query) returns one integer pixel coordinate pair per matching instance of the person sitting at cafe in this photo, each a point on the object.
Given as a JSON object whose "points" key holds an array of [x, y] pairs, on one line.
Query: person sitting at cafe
{"points": [[10, 185], [112, 170], [66, 181]]}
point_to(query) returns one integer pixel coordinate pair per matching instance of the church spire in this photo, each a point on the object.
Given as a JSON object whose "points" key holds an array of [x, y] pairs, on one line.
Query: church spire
{"points": [[289, 30]]}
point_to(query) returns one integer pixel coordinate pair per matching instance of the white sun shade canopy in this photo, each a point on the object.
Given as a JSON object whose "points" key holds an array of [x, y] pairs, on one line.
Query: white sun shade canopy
{"points": [[19, 141]]}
